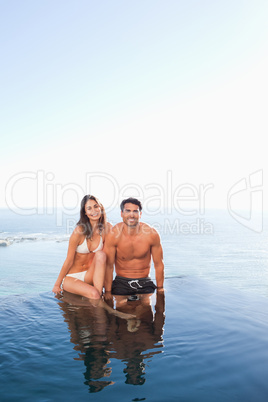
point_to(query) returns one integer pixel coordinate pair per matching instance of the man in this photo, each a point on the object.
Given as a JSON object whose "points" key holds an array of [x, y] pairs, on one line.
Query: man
{"points": [[129, 246]]}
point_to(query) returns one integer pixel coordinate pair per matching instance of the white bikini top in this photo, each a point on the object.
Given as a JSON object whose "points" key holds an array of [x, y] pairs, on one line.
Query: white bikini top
{"points": [[83, 248]]}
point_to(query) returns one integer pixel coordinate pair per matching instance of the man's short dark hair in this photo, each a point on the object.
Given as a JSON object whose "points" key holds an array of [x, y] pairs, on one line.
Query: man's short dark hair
{"points": [[131, 201]]}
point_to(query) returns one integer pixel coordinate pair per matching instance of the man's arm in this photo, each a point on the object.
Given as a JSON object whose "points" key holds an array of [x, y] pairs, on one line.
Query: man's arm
{"points": [[110, 250], [157, 254]]}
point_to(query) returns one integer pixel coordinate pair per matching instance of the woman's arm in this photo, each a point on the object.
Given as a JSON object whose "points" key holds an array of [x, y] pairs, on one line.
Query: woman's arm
{"points": [[73, 243]]}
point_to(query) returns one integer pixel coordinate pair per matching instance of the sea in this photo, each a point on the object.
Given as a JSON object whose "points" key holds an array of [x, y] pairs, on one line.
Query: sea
{"points": [[203, 339], [213, 246]]}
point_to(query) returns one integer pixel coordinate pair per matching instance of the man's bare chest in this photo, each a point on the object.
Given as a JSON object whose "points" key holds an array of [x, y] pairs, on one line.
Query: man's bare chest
{"points": [[136, 248]]}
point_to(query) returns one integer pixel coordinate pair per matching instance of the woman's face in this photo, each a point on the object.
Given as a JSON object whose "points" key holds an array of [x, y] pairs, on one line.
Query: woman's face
{"points": [[92, 210]]}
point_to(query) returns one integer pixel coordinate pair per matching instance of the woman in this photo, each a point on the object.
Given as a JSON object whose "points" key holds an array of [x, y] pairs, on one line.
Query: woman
{"points": [[83, 271]]}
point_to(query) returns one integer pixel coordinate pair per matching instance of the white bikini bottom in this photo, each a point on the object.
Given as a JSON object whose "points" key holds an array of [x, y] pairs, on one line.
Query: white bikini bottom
{"points": [[77, 275]]}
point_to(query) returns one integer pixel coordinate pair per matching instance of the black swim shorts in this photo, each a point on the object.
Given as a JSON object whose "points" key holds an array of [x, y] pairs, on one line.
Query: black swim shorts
{"points": [[130, 286]]}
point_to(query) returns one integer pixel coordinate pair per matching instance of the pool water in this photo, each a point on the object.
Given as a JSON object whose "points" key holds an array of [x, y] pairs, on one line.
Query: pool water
{"points": [[196, 342], [204, 339]]}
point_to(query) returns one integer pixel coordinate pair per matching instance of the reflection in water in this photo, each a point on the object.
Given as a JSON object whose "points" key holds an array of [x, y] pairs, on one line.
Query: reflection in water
{"points": [[87, 322], [100, 336], [136, 340]]}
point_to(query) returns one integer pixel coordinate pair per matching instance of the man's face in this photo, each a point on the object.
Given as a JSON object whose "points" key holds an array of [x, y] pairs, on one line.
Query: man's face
{"points": [[131, 215]]}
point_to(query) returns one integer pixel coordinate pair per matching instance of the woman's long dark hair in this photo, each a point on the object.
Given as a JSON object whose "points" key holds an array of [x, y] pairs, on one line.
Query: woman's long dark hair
{"points": [[84, 220]]}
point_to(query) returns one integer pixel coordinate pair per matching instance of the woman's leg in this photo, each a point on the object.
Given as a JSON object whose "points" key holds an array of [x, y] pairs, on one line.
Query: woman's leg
{"points": [[94, 279], [81, 288], [96, 273]]}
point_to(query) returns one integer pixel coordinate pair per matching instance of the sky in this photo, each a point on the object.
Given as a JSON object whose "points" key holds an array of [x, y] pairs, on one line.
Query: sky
{"points": [[162, 100]]}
